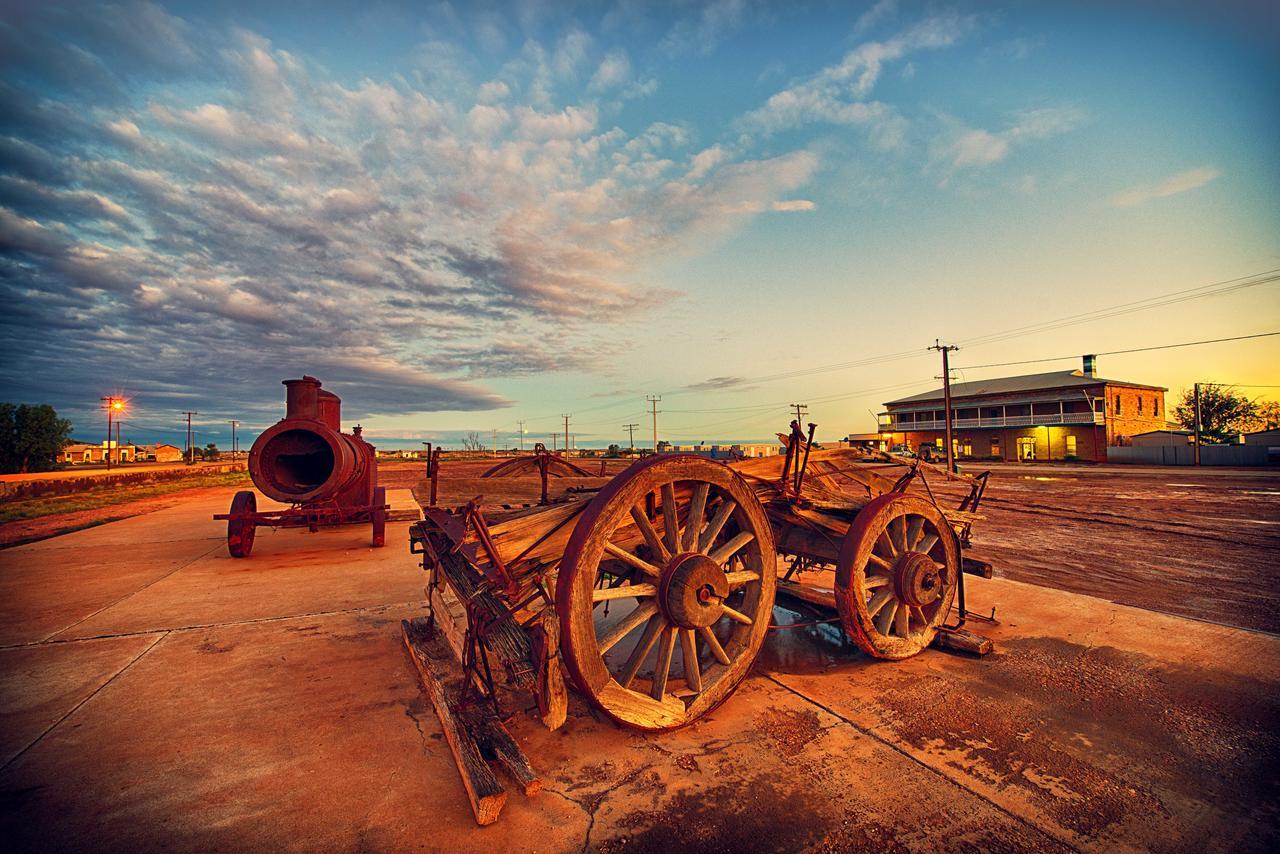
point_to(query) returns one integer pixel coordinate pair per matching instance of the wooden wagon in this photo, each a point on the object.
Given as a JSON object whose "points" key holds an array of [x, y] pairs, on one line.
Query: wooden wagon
{"points": [[656, 592]]}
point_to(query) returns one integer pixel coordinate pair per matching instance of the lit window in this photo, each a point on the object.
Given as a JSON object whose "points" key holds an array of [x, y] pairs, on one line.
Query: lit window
{"points": [[1071, 446]]}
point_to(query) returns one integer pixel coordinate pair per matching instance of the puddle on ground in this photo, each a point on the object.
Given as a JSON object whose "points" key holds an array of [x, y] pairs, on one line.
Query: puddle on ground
{"points": [[805, 650]]}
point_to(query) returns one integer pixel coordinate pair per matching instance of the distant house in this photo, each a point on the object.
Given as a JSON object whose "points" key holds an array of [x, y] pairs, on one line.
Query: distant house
{"points": [[79, 453], [1163, 438], [160, 453], [1052, 416], [1269, 439]]}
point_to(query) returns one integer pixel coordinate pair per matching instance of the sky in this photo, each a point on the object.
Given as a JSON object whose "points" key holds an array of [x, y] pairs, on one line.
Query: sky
{"points": [[461, 217]]}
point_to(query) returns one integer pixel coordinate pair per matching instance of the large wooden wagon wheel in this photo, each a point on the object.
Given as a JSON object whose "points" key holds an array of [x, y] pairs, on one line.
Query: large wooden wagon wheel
{"points": [[665, 591], [896, 575]]}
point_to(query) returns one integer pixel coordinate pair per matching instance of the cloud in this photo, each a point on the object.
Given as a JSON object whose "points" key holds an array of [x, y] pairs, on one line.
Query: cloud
{"points": [[714, 22], [838, 94], [1171, 186], [717, 384], [233, 214], [960, 147], [882, 11]]}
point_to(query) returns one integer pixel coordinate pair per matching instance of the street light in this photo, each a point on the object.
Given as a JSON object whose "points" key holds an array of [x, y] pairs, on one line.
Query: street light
{"points": [[114, 405]]}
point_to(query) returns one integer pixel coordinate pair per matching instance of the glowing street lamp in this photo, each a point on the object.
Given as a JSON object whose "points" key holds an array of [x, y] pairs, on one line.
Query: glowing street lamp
{"points": [[115, 406]]}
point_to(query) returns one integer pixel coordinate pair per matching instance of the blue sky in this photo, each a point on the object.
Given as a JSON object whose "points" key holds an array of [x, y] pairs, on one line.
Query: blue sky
{"points": [[462, 216]]}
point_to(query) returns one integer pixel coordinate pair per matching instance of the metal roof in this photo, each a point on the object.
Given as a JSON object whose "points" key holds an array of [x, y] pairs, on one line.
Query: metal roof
{"points": [[1013, 385]]}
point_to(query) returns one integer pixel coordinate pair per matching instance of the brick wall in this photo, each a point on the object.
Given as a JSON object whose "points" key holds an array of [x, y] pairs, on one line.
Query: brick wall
{"points": [[1130, 420]]}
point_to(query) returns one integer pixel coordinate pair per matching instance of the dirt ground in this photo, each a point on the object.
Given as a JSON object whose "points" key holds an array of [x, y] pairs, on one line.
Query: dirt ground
{"points": [[156, 694]]}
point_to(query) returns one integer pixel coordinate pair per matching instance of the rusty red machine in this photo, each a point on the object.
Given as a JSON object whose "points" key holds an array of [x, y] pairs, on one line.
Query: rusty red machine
{"points": [[305, 460]]}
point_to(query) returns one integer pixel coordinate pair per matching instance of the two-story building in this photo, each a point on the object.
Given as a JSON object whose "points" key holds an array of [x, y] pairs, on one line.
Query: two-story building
{"points": [[1053, 416]]}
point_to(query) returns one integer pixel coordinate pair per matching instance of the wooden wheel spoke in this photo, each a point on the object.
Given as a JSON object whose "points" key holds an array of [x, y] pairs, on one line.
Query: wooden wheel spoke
{"points": [[736, 616], [726, 551], [693, 524], [885, 543], [884, 619], [641, 651], [879, 600], [880, 562], [737, 579], [918, 614], [689, 652], [713, 528], [897, 529], [874, 581], [650, 535], [670, 520], [926, 545], [662, 668], [902, 621], [624, 591], [631, 560], [625, 626], [914, 529], [713, 643]]}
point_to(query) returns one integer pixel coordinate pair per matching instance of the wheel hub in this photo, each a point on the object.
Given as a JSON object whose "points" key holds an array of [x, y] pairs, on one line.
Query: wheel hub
{"points": [[917, 579], [691, 590]]}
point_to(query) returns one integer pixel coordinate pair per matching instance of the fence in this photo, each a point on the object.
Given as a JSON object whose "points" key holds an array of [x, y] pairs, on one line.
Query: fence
{"points": [[1184, 455]]}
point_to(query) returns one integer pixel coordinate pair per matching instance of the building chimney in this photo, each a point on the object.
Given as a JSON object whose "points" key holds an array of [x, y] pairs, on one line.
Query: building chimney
{"points": [[1090, 366]]}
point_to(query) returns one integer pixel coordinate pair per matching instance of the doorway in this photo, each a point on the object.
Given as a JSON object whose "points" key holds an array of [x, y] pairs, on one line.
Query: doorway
{"points": [[1026, 448]]}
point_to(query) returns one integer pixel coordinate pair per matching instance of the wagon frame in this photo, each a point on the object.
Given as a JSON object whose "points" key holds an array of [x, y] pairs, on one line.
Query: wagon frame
{"points": [[695, 545]]}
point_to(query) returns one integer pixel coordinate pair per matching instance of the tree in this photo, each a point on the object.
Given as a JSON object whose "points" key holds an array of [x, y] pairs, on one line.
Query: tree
{"points": [[472, 442], [1223, 412], [209, 452], [1266, 416], [614, 451], [30, 437]]}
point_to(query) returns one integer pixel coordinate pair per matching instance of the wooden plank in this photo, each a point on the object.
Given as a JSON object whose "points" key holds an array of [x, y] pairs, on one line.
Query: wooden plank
{"points": [[496, 742], [819, 596], [973, 566], [485, 793], [963, 640]]}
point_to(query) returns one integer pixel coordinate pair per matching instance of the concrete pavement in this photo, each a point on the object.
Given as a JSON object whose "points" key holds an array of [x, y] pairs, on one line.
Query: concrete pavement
{"points": [[157, 694]]}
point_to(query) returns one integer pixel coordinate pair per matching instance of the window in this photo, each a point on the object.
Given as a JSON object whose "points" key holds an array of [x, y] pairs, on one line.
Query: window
{"points": [[1139, 404], [995, 448], [1026, 448], [1117, 406], [1155, 406], [1071, 446], [938, 443]]}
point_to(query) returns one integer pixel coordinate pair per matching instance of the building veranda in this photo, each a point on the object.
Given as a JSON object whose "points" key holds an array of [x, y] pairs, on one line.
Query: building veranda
{"points": [[1060, 415]]}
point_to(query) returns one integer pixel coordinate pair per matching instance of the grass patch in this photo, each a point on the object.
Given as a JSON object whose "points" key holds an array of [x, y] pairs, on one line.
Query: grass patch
{"points": [[105, 496]]}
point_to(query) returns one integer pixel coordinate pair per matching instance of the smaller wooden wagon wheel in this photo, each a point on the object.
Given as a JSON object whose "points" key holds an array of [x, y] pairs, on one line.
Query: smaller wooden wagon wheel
{"points": [[665, 591], [240, 529], [897, 575], [379, 517]]}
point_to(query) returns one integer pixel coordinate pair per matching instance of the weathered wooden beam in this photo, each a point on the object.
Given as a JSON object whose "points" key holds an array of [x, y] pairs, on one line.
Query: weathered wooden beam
{"points": [[820, 596], [963, 640], [485, 793], [973, 566]]}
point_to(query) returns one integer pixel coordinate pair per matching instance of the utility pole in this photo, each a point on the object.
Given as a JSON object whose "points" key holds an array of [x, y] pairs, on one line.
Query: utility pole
{"points": [[521, 423], [631, 428], [654, 400], [1196, 448], [191, 457], [946, 396], [235, 448], [494, 444], [119, 458], [801, 410], [114, 405], [566, 434]]}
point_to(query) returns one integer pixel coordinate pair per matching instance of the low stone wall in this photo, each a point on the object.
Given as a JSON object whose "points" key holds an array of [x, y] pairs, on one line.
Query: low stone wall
{"points": [[14, 490]]}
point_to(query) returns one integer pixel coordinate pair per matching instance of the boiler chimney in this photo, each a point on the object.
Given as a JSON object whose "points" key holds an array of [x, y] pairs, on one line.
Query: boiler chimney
{"points": [[1090, 366]]}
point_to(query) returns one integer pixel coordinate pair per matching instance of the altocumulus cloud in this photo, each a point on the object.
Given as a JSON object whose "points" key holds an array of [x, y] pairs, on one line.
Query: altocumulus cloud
{"points": [[191, 211]]}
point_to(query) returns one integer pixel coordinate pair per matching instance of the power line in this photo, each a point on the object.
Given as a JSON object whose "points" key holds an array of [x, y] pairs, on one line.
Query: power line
{"points": [[1122, 352], [1158, 301]]}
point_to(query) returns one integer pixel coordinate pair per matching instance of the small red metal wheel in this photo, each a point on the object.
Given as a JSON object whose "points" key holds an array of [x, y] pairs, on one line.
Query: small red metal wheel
{"points": [[379, 517], [680, 547], [240, 528], [896, 575]]}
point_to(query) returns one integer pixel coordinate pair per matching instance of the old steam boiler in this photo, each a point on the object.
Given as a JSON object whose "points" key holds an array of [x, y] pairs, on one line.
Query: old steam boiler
{"points": [[326, 476]]}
